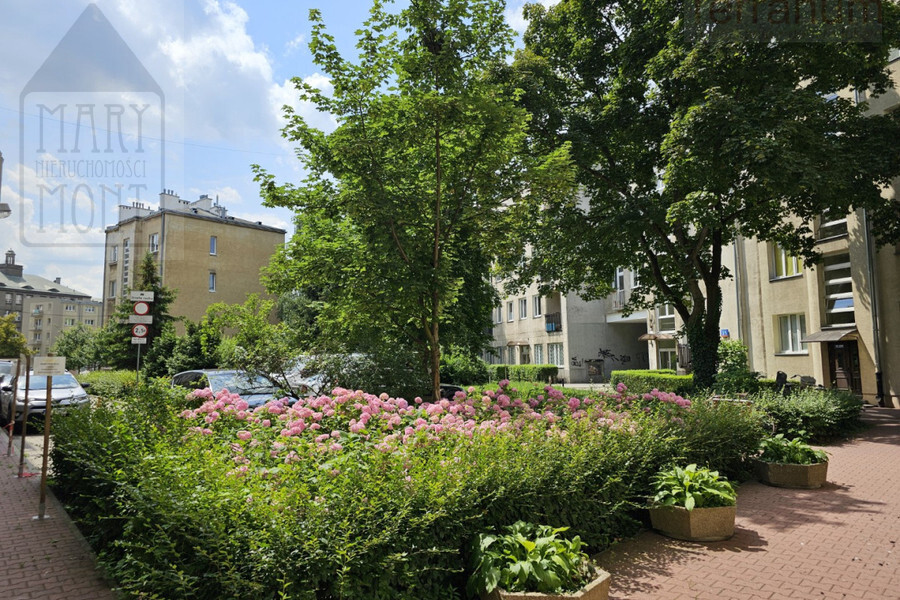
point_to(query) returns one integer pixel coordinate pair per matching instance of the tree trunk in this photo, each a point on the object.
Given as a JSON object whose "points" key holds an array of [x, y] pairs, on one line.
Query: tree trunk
{"points": [[704, 353]]}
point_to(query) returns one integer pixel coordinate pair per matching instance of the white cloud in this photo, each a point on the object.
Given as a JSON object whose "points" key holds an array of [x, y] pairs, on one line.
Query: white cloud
{"points": [[293, 45]]}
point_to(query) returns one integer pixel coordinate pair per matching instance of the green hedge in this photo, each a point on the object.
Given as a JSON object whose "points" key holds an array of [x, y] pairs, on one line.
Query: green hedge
{"points": [[541, 373], [645, 380], [108, 384]]}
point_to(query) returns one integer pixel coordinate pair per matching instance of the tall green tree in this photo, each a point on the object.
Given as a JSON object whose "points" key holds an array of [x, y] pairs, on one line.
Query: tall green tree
{"points": [[79, 344], [685, 140], [115, 337], [399, 210], [12, 343]]}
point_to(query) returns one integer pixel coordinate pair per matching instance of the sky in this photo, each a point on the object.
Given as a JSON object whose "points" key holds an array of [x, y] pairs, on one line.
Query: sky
{"points": [[110, 103]]}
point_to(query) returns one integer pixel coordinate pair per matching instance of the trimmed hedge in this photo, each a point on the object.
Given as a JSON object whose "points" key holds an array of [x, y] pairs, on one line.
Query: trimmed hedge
{"points": [[819, 414], [542, 373], [642, 381]]}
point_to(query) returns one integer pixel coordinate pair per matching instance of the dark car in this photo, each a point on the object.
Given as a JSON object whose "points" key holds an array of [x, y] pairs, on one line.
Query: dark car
{"points": [[254, 389], [66, 391]]}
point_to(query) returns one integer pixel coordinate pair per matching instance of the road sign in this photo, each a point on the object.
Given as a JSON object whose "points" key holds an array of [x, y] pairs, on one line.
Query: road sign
{"points": [[140, 330], [144, 319], [49, 365], [141, 308], [138, 296], [138, 340]]}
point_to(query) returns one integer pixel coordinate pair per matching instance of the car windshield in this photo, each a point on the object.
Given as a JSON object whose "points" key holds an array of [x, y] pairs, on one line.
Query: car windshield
{"points": [[240, 383], [39, 382]]}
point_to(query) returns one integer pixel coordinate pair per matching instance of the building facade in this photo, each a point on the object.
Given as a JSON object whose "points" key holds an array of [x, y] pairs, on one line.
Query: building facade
{"points": [[202, 252], [586, 339], [43, 308]]}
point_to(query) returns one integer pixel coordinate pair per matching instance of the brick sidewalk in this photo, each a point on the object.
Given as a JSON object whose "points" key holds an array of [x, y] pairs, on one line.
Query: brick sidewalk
{"points": [[41, 560], [839, 541]]}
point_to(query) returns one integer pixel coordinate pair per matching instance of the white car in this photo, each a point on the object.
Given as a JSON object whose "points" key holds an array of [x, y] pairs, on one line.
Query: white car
{"points": [[66, 392]]}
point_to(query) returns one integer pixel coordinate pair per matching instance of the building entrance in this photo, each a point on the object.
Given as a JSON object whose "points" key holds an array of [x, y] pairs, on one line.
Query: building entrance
{"points": [[843, 362]]}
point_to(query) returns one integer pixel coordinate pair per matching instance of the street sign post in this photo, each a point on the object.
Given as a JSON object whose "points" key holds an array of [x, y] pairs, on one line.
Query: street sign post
{"points": [[139, 296], [140, 321], [47, 366]]}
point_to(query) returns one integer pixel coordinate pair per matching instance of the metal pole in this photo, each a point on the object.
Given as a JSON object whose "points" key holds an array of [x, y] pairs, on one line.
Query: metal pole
{"points": [[24, 415], [12, 408], [137, 372], [42, 506]]}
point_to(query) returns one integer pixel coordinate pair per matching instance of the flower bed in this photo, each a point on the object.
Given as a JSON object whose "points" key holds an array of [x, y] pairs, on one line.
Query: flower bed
{"points": [[360, 496]]}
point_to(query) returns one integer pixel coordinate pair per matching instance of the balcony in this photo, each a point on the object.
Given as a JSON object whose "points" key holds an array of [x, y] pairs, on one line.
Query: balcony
{"points": [[37, 312], [553, 322], [620, 298]]}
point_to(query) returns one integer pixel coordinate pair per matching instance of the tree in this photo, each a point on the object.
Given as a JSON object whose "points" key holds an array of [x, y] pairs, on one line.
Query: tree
{"points": [[397, 215], [116, 335], [80, 347], [12, 343], [683, 143]]}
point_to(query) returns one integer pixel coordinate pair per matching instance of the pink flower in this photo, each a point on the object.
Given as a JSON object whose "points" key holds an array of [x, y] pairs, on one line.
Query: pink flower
{"points": [[621, 388], [244, 435]]}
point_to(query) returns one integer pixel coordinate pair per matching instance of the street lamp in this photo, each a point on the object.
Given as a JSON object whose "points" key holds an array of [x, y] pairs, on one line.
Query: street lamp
{"points": [[4, 207]]}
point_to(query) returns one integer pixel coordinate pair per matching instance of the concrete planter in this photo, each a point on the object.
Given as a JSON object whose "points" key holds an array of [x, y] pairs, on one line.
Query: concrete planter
{"points": [[697, 525], [792, 476], [598, 589]]}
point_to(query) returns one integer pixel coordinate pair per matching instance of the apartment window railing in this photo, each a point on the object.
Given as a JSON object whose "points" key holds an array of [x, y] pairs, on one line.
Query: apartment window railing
{"points": [[620, 299], [553, 322]]}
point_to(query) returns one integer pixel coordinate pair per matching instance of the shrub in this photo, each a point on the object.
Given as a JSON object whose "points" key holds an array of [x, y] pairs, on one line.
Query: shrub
{"points": [[822, 414], [734, 375], [777, 449], [108, 384], [542, 373], [641, 381], [692, 487], [529, 558], [461, 368], [497, 372], [355, 496]]}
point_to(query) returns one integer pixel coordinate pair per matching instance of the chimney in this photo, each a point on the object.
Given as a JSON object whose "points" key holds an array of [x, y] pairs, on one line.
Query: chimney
{"points": [[58, 280]]}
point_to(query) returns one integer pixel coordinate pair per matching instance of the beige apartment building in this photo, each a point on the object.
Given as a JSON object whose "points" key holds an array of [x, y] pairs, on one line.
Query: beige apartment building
{"points": [[203, 253], [586, 339], [43, 308]]}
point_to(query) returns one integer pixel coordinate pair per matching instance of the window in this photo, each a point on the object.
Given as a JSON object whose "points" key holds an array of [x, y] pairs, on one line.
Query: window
{"points": [[665, 318], [555, 355], [213, 244], [212, 281], [38, 323], [536, 307], [68, 322], [619, 279], [9, 298], [114, 254], [839, 308], [498, 314], [538, 354], [70, 308], [154, 243], [126, 256], [792, 329], [832, 225], [18, 298], [523, 308], [509, 311], [524, 355], [37, 337], [785, 264], [635, 279], [668, 358], [112, 289], [88, 321], [89, 309], [511, 355]]}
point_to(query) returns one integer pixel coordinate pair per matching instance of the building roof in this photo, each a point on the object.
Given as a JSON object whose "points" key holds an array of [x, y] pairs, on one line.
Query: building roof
{"points": [[202, 215], [34, 284]]}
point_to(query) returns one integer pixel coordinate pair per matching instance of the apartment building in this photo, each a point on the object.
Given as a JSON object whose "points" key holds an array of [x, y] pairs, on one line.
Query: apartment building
{"points": [[202, 252], [586, 339], [43, 308]]}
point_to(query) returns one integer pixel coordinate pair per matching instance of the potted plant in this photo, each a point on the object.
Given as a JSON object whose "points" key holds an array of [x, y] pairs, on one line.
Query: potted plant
{"points": [[534, 562], [791, 463], [693, 504]]}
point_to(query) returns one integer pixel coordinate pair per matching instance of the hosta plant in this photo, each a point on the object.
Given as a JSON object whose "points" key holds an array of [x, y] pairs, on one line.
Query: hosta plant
{"points": [[529, 558], [692, 487], [777, 449]]}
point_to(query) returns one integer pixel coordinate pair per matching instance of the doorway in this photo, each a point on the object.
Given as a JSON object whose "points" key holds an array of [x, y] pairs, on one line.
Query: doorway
{"points": [[843, 363]]}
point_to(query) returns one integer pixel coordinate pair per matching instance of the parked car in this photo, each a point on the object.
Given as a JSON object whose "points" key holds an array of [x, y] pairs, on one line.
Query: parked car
{"points": [[66, 391], [254, 389], [6, 370]]}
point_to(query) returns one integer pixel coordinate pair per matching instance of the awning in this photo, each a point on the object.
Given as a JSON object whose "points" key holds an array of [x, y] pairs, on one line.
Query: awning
{"points": [[655, 336], [828, 335], [515, 343]]}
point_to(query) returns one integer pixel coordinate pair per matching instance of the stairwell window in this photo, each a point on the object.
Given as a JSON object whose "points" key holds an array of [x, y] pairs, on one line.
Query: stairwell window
{"points": [[839, 304], [213, 245], [792, 329], [537, 309], [510, 315], [154, 243], [523, 308], [665, 318], [212, 281]]}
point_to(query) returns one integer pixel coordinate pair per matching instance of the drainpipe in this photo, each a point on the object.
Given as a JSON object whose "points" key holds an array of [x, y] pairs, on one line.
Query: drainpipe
{"points": [[876, 317]]}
